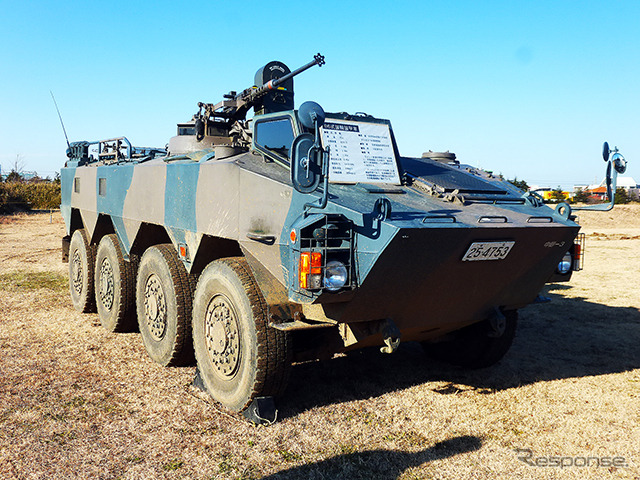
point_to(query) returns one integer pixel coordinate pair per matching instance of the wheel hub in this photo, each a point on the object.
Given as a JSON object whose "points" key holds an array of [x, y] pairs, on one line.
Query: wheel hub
{"points": [[76, 272], [222, 337], [155, 307], [106, 287]]}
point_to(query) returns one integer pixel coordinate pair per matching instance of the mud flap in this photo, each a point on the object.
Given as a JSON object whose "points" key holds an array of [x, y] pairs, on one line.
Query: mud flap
{"points": [[66, 241], [197, 381], [262, 411]]}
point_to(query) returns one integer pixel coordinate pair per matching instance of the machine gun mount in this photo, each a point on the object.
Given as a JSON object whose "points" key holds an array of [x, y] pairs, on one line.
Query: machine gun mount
{"points": [[223, 123]]}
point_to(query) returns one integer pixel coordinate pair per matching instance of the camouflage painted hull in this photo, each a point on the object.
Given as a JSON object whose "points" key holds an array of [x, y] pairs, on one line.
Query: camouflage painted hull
{"points": [[407, 267]]}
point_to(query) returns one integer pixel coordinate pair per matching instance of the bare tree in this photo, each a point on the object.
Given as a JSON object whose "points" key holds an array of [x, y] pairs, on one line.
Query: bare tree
{"points": [[15, 175], [18, 164]]}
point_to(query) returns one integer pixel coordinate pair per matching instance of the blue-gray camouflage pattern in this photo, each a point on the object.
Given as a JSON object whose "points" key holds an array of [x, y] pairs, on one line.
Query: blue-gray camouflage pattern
{"points": [[407, 262]]}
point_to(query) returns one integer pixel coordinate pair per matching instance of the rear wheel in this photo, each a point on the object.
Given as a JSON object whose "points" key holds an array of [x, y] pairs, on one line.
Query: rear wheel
{"points": [[115, 284], [81, 265], [239, 356], [479, 345], [164, 292]]}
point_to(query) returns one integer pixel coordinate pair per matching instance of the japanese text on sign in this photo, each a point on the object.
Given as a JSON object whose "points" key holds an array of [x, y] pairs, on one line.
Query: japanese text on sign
{"points": [[361, 152]]}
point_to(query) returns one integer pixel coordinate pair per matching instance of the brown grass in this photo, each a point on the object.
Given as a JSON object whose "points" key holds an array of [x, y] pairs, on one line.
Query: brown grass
{"points": [[78, 402]]}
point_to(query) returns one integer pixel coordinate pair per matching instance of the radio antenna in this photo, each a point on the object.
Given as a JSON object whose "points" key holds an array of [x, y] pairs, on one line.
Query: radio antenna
{"points": [[60, 117]]}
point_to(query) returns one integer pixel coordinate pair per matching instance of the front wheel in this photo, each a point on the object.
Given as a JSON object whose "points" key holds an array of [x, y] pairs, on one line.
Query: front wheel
{"points": [[477, 346], [239, 356]]}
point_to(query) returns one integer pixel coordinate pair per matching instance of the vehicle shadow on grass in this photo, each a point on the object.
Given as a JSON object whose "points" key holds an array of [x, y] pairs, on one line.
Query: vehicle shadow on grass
{"points": [[567, 338], [378, 464]]}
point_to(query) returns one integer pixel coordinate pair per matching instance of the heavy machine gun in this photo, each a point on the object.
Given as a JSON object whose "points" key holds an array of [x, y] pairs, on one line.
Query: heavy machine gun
{"points": [[250, 96], [274, 94]]}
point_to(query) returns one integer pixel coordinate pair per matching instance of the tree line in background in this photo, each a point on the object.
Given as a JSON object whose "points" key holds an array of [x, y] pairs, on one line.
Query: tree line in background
{"points": [[18, 193], [579, 196]]}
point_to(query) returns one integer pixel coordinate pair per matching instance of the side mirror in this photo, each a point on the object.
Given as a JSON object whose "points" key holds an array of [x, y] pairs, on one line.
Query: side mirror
{"points": [[619, 165], [307, 155], [605, 151], [311, 115], [306, 164]]}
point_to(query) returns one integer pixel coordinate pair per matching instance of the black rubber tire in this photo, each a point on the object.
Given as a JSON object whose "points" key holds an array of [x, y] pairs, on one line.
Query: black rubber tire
{"points": [[263, 354], [472, 347], [115, 285], [81, 265], [169, 342]]}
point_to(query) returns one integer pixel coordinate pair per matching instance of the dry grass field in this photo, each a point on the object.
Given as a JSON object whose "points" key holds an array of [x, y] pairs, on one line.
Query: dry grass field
{"points": [[78, 402]]}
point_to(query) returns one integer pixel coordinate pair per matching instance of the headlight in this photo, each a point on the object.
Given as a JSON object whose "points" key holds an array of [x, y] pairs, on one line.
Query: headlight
{"points": [[565, 265], [335, 275]]}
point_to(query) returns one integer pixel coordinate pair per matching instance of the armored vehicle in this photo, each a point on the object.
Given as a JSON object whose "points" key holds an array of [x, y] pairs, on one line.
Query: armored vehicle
{"points": [[251, 243]]}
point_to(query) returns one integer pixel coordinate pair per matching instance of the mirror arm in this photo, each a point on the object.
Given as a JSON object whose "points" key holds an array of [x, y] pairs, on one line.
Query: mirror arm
{"points": [[325, 153], [322, 203], [611, 181]]}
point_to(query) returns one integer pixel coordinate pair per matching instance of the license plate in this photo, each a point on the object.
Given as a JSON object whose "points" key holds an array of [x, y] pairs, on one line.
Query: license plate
{"points": [[487, 251]]}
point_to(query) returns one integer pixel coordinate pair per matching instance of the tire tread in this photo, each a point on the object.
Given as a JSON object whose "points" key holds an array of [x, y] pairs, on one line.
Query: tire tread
{"points": [[184, 286], [88, 303], [126, 315], [274, 346]]}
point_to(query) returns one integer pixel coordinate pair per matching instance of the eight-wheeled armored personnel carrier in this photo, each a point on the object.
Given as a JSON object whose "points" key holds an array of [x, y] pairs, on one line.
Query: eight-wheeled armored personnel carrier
{"points": [[296, 234]]}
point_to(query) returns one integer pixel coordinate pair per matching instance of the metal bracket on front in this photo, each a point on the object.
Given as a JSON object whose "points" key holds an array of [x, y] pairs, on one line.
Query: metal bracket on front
{"points": [[534, 199], [563, 210], [391, 336], [381, 211]]}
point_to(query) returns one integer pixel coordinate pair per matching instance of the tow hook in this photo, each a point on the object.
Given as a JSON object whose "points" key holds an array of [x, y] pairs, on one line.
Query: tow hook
{"points": [[497, 324], [391, 336]]}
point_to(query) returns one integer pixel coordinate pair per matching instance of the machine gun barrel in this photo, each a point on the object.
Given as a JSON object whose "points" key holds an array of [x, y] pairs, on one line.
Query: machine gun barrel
{"points": [[251, 94]]}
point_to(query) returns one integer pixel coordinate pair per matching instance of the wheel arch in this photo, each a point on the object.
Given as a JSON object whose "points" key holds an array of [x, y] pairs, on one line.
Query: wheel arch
{"points": [[213, 248], [148, 235], [104, 226], [75, 222]]}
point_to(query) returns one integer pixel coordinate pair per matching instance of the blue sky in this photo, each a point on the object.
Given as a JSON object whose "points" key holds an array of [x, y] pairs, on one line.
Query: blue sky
{"points": [[528, 89]]}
